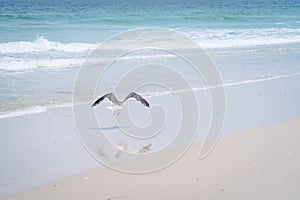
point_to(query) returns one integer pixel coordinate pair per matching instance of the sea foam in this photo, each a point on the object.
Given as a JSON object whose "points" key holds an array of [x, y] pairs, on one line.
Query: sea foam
{"points": [[226, 38], [45, 54], [41, 44], [207, 38]]}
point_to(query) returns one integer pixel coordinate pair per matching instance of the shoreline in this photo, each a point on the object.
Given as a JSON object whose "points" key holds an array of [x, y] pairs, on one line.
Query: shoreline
{"points": [[47, 146], [221, 84], [48, 107]]}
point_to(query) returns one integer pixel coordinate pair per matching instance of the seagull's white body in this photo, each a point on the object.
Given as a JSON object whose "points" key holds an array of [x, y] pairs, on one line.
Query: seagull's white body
{"points": [[115, 107]]}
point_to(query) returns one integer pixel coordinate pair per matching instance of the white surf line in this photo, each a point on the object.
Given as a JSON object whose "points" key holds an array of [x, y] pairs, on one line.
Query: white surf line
{"points": [[149, 95], [262, 50], [257, 80], [40, 109], [32, 110]]}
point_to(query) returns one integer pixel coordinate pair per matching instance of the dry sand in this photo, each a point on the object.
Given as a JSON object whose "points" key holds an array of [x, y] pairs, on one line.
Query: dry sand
{"points": [[261, 163]]}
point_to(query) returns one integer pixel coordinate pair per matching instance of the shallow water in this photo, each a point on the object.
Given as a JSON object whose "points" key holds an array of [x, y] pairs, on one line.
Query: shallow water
{"points": [[43, 44]]}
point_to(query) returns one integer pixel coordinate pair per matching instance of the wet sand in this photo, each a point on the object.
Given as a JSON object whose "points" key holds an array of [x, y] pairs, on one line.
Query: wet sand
{"points": [[256, 157]]}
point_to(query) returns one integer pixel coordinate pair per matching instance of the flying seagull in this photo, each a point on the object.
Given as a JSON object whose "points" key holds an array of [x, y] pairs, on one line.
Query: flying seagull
{"points": [[118, 105]]}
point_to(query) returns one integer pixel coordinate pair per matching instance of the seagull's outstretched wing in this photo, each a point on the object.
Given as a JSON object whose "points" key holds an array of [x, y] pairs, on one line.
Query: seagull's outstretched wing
{"points": [[138, 98], [109, 96]]}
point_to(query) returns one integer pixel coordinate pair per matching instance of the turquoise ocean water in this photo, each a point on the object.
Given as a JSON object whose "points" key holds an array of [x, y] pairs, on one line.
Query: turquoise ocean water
{"points": [[43, 43]]}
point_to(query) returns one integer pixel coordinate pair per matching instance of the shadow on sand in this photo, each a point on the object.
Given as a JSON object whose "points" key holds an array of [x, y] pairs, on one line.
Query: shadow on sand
{"points": [[110, 128]]}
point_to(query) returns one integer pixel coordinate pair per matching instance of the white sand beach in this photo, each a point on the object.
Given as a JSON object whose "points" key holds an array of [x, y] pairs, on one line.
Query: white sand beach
{"points": [[221, 78], [261, 163], [255, 158]]}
